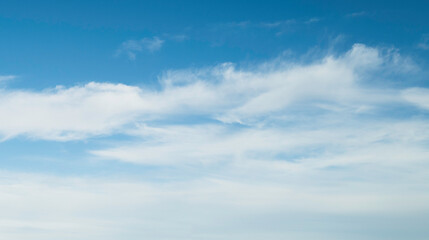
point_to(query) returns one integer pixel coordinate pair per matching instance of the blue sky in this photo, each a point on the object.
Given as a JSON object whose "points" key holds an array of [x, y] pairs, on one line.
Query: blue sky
{"points": [[214, 120]]}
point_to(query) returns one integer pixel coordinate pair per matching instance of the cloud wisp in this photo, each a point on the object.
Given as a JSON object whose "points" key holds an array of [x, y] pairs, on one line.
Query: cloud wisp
{"points": [[132, 47], [357, 14], [424, 43], [7, 77]]}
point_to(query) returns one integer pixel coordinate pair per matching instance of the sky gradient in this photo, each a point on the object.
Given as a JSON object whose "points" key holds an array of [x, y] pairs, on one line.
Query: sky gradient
{"points": [[214, 120]]}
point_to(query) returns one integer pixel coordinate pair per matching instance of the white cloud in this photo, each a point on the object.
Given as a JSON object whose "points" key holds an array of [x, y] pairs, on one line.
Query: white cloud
{"points": [[132, 47], [66, 114], [224, 93], [295, 148]]}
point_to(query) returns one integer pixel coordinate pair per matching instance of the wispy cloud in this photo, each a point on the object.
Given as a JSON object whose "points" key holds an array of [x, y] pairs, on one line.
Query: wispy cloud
{"points": [[417, 96], [132, 47], [424, 43], [242, 24], [357, 14], [312, 20], [284, 23], [179, 37], [287, 25], [268, 24], [296, 148], [277, 24], [7, 77]]}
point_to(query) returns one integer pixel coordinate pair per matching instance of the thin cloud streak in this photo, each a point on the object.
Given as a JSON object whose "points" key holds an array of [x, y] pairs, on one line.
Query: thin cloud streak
{"points": [[132, 47], [7, 77], [357, 14]]}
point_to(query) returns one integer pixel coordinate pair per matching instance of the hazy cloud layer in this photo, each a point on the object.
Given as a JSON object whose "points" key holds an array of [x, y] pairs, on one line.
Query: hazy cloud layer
{"points": [[85, 208]]}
